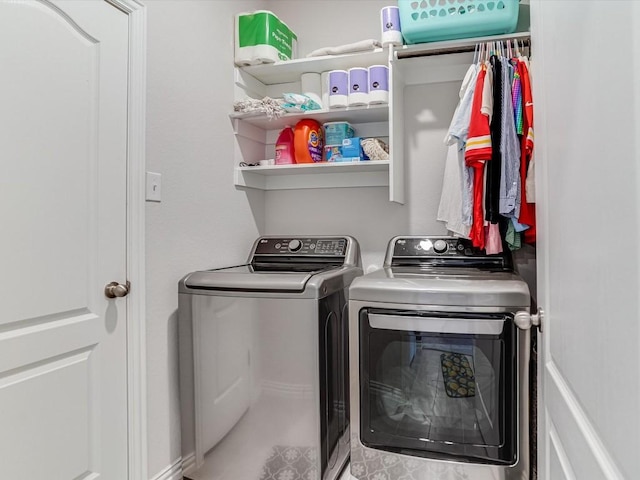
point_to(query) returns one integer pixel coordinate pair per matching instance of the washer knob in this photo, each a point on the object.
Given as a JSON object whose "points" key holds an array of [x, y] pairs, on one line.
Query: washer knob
{"points": [[440, 246], [295, 245]]}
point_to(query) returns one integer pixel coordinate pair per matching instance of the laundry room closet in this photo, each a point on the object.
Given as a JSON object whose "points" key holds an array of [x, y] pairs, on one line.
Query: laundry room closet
{"points": [[374, 200], [372, 206], [208, 218]]}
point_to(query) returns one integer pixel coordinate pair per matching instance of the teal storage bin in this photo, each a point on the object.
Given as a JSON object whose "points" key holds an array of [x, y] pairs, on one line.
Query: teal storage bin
{"points": [[434, 20]]}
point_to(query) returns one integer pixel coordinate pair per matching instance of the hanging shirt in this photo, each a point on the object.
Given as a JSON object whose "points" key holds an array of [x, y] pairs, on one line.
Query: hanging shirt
{"points": [[527, 210], [478, 146], [458, 131], [512, 238], [494, 240], [530, 185], [516, 98], [487, 93], [510, 184], [460, 121], [494, 167], [477, 152], [450, 208]]}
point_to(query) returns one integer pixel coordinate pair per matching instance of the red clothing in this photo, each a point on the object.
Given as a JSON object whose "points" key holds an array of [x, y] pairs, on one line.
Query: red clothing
{"points": [[477, 151], [527, 210], [476, 234], [478, 147]]}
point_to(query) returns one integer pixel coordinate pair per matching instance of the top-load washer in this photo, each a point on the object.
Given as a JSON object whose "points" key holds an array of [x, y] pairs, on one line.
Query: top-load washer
{"points": [[439, 367], [264, 360]]}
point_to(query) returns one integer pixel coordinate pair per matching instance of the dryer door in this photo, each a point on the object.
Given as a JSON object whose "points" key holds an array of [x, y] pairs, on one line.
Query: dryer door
{"points": [[439, 385]]}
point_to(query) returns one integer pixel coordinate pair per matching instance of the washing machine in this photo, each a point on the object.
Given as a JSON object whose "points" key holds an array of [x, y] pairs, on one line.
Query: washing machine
{"points": [[264, 360], [439, 366]]}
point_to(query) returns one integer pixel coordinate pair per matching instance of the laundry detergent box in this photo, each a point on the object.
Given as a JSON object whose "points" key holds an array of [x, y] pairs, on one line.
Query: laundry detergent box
{"points": [[332, 153], [352, 150], [261, 37], [349, 151]]}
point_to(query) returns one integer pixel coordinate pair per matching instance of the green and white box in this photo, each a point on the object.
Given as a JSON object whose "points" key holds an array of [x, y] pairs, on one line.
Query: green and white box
{"points": [[261, 37]]}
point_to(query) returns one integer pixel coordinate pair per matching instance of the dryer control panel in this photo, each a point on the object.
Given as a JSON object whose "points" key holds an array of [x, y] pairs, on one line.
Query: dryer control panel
{"points": [[443, 251], [430, 246], [307, 246]]}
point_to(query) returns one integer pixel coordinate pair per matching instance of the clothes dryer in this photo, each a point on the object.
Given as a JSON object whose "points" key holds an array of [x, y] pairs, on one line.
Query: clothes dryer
{"points": [[264, 360], [439, 369]]}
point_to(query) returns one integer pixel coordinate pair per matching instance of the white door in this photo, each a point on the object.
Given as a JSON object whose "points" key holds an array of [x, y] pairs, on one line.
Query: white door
{"points": [[63, 139], [586, 78]]}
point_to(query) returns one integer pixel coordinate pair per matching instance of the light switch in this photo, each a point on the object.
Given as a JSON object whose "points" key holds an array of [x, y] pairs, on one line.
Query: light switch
{"points": [[154, 187]]}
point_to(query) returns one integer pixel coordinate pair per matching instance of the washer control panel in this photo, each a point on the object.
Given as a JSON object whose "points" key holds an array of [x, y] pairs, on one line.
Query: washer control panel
{"points": [[307, 246]]}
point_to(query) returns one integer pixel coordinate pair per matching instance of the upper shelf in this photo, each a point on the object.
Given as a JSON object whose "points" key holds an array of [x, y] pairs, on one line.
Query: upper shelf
{"points": [[290, 71], [314, 175], [367, 114]]}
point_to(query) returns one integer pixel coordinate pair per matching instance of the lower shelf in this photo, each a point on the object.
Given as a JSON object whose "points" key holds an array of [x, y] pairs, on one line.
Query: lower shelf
{"points": [[314, 175]]}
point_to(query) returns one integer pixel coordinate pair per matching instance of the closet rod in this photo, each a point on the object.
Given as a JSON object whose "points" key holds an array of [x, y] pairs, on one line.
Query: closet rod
{"points": [[457, 46]]}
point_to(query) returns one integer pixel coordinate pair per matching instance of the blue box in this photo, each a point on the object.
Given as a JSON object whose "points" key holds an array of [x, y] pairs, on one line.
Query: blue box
{"points": [[352, 149], [333, 153]]}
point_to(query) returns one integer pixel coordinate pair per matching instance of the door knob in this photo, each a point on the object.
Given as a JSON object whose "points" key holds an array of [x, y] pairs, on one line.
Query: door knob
{"points": [[526, 320], [115, 289]]}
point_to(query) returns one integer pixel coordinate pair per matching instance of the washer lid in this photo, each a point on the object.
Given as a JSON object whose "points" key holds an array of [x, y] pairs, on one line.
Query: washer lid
{"points": [[445, 286], [246, 278]]}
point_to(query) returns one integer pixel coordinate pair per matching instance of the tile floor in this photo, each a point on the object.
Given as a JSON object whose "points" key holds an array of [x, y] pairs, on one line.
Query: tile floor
{"points": [[273, 420], [345, 475]]}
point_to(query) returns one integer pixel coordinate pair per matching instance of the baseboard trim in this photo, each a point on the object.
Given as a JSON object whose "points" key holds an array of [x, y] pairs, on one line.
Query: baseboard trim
{"points": [[188, 463], [172, 472]]}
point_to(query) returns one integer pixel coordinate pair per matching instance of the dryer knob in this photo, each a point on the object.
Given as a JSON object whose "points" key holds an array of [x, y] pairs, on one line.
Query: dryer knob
{"points": [[440, 246], [294, 245]]}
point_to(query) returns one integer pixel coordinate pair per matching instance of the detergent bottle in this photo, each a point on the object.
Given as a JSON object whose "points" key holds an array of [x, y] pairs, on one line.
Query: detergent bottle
{"points": [[308, 141], [284, 147]]}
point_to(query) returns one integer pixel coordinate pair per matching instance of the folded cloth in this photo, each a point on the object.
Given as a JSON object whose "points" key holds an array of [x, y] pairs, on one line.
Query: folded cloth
{"points": [[271, 107], [360, 46]]}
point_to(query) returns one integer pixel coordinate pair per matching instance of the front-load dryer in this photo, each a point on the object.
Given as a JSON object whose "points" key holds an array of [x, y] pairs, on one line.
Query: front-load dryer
{"points": [[264, 361], [439, 369]]}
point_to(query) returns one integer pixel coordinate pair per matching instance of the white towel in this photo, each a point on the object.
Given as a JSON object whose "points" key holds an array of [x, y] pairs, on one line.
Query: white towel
{"points": [[360, 46]]}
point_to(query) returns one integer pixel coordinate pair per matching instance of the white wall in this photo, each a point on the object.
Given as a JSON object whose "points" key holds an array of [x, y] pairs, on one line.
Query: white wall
{"points": [[203, 221]]}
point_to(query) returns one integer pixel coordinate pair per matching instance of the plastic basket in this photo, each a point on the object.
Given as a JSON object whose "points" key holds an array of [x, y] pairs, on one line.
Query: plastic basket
{"points": [[432, 20]]}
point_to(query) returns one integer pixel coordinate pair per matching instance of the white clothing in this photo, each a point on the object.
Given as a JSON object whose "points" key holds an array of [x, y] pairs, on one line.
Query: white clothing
{"points": [[450, 209]]}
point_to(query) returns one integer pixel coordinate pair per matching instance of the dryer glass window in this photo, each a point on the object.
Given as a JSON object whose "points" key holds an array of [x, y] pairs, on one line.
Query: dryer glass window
{"points": [[439, 385]]}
